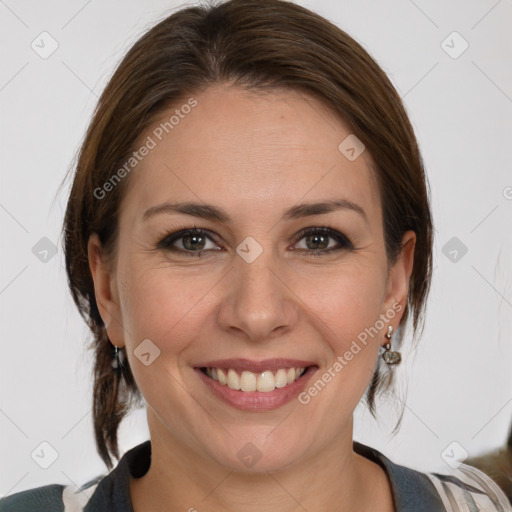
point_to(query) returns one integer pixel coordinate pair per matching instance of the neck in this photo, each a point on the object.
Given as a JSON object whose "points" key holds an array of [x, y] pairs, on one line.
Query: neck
{"points": [[335, 479]]}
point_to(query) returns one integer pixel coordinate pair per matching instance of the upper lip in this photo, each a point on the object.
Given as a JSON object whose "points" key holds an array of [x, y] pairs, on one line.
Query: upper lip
{"points": [[256, 366]]}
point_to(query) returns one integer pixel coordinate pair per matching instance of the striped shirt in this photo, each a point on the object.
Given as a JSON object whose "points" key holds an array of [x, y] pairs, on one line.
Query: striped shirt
{"points": [[466, 489]]}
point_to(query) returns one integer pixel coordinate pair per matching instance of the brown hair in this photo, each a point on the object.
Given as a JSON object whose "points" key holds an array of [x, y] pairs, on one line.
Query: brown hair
{"points": [[260, 44]]}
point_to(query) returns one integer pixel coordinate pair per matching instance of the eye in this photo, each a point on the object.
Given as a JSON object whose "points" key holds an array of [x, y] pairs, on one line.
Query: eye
{"points": [[191, 241], [194, 241], [319, 240]]}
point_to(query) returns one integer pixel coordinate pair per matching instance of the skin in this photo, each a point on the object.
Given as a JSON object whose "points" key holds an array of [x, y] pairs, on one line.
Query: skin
{"points": [[253, 155]]}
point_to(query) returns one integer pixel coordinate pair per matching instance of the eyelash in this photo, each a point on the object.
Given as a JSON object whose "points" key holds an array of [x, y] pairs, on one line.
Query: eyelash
{"points": [[344, 243]]}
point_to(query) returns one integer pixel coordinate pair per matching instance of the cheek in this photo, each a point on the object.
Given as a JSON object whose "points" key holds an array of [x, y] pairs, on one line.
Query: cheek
{"points": [[169, 305], [163, 305], [347, 302], [346, 311]]}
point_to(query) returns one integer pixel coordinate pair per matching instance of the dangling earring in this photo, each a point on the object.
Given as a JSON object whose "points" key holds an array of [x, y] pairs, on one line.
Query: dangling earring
{"points": [[390, 356], [117, 360]]}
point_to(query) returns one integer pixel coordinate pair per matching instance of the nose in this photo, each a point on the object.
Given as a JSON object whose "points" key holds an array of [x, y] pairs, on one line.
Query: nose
{"points": [[257, 304]]}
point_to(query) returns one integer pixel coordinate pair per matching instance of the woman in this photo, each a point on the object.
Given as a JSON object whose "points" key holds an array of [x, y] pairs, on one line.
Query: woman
{"points": [[248, 231]]}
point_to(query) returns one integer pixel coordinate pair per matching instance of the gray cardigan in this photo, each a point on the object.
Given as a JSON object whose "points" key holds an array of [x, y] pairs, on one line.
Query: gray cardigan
{"points": [[470, 490]]}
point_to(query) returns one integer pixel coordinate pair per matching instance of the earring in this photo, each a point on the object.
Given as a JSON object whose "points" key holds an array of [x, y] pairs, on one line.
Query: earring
{"points": [[389, 355], [117, 360]]}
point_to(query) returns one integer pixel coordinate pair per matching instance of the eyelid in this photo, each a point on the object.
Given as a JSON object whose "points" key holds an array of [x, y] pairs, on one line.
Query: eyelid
{"points": [[342, 240], [179, 232]]}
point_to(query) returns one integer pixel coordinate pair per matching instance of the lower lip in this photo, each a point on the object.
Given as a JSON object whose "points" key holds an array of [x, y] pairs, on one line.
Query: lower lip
{"points": [[257, 400]]}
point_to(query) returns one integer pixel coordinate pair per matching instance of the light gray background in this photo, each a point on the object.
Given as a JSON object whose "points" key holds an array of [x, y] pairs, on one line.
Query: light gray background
{"points": [[459, 380]]}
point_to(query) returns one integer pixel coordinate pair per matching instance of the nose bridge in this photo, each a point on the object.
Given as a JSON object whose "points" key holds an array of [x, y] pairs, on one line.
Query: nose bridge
{"points": [[258, 282], [258, 294], [257, 301]]}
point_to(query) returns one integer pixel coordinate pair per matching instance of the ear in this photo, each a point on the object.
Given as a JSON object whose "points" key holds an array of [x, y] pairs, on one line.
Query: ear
{"points": [[398, 277], [105, 291]]}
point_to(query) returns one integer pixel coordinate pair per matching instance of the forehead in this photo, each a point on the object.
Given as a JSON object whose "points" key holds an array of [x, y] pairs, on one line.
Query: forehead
{"points": [[245, 147]]}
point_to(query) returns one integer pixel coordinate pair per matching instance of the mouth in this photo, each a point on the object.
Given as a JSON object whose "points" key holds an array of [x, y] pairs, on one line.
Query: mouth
{"points": [[256, 386], [246, 381]]}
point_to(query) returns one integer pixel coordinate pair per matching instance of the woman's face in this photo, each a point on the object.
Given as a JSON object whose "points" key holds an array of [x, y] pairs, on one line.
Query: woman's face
{"points": [[251, 295]]}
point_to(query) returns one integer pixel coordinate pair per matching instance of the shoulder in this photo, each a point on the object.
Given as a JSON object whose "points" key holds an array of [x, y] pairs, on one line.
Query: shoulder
{"points": [[468, 488], [100, 494], [51, 498], [47, 498], [464, 489]]}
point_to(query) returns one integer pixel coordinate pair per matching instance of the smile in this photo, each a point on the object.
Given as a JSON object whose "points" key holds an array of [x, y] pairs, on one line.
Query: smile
{"points": [[263, 382], [256, 385]]}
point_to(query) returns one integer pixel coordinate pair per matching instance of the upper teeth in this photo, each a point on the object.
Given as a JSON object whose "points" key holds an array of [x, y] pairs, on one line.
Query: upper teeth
{"points": [[248, 381]]}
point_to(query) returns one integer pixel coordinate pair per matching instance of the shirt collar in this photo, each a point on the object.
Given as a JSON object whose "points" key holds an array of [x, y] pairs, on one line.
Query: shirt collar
{"points": [[412, 490]]}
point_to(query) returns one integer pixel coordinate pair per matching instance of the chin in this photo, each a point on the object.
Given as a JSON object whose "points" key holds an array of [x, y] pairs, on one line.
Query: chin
{"points": [[258, 452]]}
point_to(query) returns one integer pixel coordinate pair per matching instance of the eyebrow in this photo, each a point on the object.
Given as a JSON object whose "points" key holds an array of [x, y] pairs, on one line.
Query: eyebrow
{"points": [[210, 212]]}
